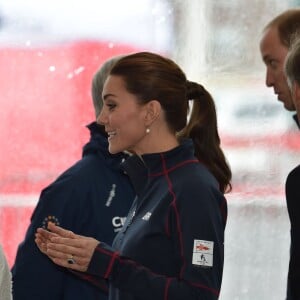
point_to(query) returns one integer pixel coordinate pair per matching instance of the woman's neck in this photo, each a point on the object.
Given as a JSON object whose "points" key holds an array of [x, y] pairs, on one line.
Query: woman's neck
{"points": [[157, 143]]}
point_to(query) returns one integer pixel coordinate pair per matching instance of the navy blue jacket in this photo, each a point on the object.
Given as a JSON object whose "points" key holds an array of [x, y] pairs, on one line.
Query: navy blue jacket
{"points": [[293, 205], [172, 244], [292, 192], [91, 198]]}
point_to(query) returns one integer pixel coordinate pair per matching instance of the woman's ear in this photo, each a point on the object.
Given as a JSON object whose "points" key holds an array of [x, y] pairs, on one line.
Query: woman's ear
{"points": [[153, 111]]}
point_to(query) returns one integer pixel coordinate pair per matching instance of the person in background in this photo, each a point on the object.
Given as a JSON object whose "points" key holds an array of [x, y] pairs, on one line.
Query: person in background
{"points": [[92, 197], [5, 278], [172, 244], [292, 71], [274, 46]]}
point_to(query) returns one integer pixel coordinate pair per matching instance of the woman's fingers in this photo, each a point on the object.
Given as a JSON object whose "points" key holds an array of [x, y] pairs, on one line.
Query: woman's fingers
{"points": [[41, 245], [60, 231], [72, 253], [71, 262], [79, 246], [44, 235], [42, 238], [69, 259], [62, 248], [65, 248]]}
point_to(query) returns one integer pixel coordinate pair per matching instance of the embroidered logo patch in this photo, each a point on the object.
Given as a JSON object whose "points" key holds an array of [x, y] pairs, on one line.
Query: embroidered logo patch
{"points": [[112, 194], [49, 219], [203, 253]]}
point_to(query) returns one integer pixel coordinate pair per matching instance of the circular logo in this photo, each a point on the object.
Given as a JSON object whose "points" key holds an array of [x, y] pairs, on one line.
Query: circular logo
{"points": [[50, 219]]}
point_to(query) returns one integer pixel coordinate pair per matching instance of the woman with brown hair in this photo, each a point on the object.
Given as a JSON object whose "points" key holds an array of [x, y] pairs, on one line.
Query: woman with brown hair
{"points": [[172, 244]]}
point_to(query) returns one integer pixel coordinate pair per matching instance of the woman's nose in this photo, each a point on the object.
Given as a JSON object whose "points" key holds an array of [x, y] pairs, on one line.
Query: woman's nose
{"points": [[101, 118]]}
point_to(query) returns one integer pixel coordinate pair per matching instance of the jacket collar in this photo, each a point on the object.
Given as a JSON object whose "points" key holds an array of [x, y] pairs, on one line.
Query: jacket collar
{"points": [[141, 168]]}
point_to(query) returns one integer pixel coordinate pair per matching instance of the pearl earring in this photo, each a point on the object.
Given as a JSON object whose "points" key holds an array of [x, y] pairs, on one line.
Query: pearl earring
{"points": [[147, 130]]}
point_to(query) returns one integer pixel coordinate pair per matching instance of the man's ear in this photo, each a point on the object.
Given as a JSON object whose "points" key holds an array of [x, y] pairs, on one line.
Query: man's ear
{"points": [[153, 111]]}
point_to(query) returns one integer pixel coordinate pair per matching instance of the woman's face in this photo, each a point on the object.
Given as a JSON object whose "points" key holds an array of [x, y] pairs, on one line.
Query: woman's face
{"points": [[123, 117]]}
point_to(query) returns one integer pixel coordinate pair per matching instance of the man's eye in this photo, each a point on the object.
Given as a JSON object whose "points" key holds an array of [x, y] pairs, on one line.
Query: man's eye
{"points": [[272, 63]]}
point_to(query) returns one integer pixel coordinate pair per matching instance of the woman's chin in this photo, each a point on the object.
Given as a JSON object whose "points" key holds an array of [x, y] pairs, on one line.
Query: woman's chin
{"points": [[113, 149]]}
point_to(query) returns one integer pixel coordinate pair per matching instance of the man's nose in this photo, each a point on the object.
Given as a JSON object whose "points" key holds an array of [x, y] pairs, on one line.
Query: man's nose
{"points": [[269, 78]]}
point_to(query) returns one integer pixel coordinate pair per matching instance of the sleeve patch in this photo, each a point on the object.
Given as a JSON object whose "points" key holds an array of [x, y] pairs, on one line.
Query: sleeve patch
{"points": [[203, 253]]}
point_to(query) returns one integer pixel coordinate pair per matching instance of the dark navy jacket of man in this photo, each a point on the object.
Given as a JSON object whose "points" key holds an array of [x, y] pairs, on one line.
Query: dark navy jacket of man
{"points": [[91, 198], [292, 191]]}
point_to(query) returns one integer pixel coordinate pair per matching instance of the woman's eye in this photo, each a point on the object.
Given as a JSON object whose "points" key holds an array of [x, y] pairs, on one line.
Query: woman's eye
{"points": [[111, 106]]}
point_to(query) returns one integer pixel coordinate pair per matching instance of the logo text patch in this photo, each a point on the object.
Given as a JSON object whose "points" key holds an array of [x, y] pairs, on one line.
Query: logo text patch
{"points": [[203, 253]]}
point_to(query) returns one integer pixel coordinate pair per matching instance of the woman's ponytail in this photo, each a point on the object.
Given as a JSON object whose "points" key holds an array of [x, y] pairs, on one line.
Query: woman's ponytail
{"points": [[202, 129]]}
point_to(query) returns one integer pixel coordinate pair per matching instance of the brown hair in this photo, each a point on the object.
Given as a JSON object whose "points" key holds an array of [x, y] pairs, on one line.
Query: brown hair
{"points": [[287, 24], [151, 76]]}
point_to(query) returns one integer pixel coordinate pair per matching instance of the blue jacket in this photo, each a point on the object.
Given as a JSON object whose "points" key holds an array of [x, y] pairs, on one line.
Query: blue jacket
{"points": [[293, 204], [91, 198], [172, 244], [292, 193]]}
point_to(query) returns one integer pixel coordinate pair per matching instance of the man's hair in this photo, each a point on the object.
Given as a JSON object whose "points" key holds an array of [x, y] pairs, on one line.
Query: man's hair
{"points": [[98, 82], [287, 24]]}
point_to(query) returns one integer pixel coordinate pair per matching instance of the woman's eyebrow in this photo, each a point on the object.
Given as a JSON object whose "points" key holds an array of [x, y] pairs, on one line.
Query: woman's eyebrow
{"points": [[108, 95]]}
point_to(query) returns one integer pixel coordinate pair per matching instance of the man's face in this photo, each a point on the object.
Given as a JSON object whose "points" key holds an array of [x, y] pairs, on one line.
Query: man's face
{"points": [[273, 53]]}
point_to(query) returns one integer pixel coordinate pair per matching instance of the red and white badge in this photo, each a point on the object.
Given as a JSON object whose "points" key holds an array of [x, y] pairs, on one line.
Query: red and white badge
{"points": [[203, 252]]}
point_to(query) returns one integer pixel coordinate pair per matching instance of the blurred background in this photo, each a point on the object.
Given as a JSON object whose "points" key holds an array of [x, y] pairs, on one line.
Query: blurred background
{"points": [[49, 51]]}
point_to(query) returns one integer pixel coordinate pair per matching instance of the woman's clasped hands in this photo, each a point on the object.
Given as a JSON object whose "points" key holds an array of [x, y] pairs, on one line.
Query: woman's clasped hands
{"points": [[66, 248]]}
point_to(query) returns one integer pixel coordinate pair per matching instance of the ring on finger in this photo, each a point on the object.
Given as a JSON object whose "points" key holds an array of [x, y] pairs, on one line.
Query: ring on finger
{"points": [[71, 260]]}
